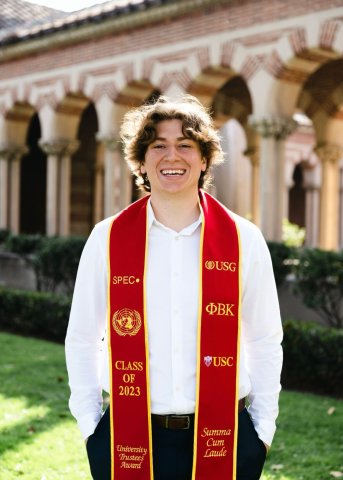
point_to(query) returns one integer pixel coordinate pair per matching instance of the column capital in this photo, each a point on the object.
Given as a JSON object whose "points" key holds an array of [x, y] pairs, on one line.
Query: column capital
{"points": [[111, 141], [11, 151], [327, 152], [59, 147], [273, 126]]}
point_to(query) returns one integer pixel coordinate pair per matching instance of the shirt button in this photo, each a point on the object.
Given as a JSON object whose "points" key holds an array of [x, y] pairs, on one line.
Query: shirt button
{"points": [[177, 238]]}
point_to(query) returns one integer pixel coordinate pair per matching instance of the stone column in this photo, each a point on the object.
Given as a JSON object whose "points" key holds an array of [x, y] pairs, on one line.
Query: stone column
{"points": [[58, 184], [65, 186], [4, 188], [254, 155], [54, 151], [99, 187], [329, 156], [10, 156], [273, 189], [112, 174], [126, 183], [312, 180]]}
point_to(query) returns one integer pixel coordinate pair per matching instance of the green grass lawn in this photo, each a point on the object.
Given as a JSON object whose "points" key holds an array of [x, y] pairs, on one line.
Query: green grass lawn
{"points": [[39, 440]]}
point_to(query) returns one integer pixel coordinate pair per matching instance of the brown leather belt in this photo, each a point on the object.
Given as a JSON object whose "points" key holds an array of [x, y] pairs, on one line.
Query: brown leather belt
{"points": [[182, 422]]}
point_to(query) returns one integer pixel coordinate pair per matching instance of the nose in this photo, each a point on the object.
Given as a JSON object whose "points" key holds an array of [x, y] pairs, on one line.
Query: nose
{"points": [[171, 153]]}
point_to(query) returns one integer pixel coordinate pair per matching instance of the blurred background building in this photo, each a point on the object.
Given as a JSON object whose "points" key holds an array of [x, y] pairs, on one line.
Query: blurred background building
{"points": [[270, 70]]}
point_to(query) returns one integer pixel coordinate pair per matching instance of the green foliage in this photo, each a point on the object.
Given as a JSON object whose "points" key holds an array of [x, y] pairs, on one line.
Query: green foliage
{"points": [[320, 283], [282, 256], [292, 234], [24, 244], [38, 314], [4, 234], [53, 259], [313, 358], [57, 262]]}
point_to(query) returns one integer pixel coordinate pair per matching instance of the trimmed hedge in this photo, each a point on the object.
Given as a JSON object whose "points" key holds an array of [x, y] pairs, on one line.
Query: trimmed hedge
{"points": [[313, 358], [37, 314], [24, 244], [313, 355]]}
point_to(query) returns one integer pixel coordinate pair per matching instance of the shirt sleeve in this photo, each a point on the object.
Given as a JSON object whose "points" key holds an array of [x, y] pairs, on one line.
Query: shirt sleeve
{"points": [[262, 336], [85, 333]]}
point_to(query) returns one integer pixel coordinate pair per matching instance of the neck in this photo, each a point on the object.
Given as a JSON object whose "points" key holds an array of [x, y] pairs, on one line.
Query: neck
{"points": [[176, 212]]}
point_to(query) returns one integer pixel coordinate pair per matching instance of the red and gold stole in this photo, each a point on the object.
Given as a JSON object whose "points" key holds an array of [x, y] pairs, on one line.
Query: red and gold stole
{"points": [[215, 430]]}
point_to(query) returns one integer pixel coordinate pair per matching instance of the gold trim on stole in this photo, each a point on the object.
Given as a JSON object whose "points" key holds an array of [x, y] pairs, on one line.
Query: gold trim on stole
{"points": [[147, 368], [195, 444], [109, 323], [238, 347]]}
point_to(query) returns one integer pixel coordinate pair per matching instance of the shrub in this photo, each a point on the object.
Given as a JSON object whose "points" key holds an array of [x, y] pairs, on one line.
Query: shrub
{"points": [[53, 259], [292, 234], [4, 234], [58, 259], [43, 315], [313, 358], [320, 283], [24, 244], [282, 256]]}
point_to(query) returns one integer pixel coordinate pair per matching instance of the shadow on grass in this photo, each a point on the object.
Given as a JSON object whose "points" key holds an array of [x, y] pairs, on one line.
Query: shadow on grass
{"points": [[34, 372], [307, 445]]}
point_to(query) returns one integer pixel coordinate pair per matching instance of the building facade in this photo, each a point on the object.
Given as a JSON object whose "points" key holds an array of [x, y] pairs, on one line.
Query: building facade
{"points": [[271, 71]]}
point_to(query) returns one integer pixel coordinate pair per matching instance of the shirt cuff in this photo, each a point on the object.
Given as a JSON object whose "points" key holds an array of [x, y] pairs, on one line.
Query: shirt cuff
{"points": [[265, 430], [87, 424]]}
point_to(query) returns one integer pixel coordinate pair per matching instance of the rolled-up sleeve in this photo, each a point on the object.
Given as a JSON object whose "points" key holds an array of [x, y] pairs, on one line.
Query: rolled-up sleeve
{"points": [[84, 339]]}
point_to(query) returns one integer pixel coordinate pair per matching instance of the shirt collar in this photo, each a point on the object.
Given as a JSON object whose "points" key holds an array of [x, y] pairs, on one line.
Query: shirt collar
{"points": [[185, 231]]}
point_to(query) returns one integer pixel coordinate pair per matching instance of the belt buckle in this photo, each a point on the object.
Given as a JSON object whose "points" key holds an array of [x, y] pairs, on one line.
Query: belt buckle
{"points": [[183, 417]]}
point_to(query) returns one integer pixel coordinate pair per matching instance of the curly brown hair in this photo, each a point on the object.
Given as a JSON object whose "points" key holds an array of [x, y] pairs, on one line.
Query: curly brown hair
{"points": [[138, 131]]}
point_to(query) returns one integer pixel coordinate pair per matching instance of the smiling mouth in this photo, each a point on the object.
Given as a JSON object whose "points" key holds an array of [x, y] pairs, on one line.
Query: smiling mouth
{"points": [[172, 173]]}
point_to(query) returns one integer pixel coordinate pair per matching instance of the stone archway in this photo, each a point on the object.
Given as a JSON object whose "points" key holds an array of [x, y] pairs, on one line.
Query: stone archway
{"points": [[321, 99], [231, 107], [297, 198], [83, 174], [33, 183]]}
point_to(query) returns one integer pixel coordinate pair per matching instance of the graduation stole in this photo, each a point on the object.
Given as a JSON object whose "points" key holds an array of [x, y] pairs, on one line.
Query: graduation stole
{"points": [[216, 414]]}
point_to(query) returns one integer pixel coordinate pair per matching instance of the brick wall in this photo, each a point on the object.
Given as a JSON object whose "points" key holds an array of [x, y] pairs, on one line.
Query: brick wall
{"points": [[236, 15]]}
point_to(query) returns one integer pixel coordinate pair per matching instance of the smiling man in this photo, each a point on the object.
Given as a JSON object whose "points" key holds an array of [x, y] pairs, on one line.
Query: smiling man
{"points": [[182, 291]]}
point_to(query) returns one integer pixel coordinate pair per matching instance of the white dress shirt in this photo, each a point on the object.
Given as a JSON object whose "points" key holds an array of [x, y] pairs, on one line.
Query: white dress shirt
{"points": [[172, 308]]}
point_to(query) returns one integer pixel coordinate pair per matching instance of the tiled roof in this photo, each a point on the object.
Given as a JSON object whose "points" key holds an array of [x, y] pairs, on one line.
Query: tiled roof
{"points": [[18, 12], [22, 20]]}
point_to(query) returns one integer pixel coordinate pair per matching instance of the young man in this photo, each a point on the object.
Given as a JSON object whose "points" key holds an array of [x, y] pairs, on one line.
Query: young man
{"points": [[175, 314]]}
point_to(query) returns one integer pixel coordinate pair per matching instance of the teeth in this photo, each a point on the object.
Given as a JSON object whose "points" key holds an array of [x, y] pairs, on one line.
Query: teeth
{"points": [[173, 172]]}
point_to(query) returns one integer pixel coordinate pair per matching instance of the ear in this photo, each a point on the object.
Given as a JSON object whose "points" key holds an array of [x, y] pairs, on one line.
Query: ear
{"points": [[203, 164], [143, 169]]}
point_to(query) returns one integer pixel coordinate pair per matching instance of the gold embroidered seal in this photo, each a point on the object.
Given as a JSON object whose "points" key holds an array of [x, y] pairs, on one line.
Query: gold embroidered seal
{"points": [[126, 322]]}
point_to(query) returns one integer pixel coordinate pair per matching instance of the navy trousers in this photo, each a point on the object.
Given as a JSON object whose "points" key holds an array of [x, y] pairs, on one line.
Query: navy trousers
{"points": [[173, 451]]}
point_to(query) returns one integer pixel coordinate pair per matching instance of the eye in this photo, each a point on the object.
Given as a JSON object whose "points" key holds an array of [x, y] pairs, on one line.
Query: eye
{"points": [[158, 146], [185, 145]]}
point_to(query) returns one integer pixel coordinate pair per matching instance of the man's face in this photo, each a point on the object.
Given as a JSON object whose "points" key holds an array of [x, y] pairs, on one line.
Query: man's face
{"points": [[173, 163]]}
